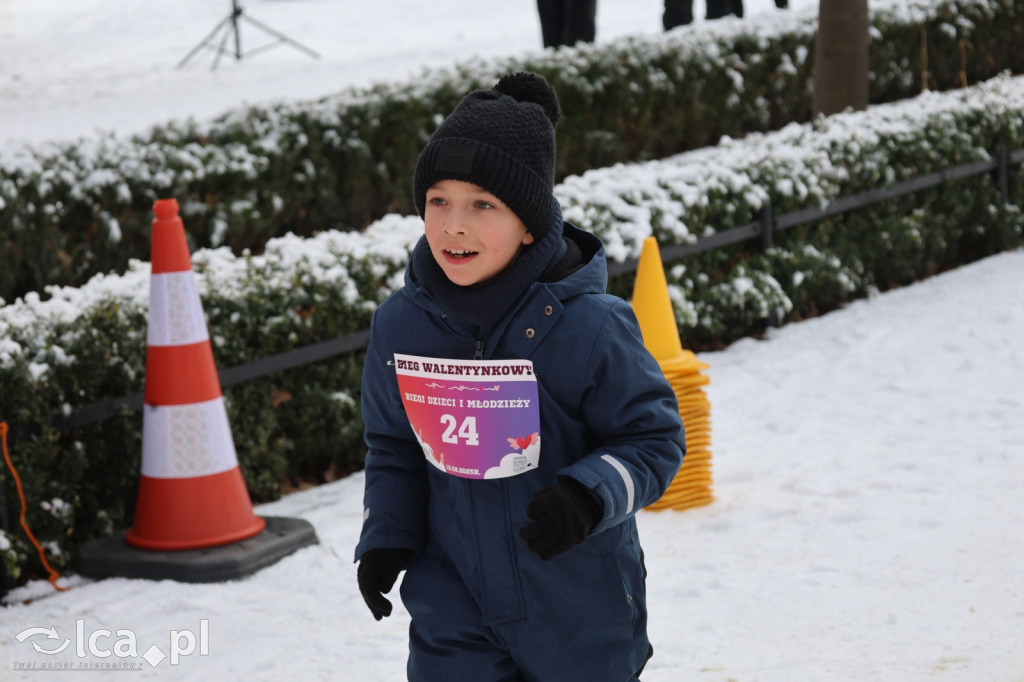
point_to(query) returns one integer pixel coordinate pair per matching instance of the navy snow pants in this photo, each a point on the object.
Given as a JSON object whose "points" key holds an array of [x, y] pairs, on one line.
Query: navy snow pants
{"points": [[448, 639]]}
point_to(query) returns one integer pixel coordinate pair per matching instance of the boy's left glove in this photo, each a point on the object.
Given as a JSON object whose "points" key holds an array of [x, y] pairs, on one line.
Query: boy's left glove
{"points": [[563, 515]]}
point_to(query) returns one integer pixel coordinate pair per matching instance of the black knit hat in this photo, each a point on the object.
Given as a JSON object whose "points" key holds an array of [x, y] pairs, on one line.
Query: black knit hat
{"points": [[502, 140]]}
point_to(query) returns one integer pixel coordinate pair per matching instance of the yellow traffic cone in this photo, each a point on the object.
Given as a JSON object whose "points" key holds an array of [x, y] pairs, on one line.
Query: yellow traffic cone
{"points": [[692, 485], [653, 307]]}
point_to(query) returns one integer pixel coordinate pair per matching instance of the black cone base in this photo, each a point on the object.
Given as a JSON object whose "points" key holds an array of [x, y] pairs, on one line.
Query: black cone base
{"points": [[111, 556]]}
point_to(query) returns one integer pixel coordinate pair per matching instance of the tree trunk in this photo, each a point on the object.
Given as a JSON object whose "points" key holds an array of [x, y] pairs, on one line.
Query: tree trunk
{"points": [[841, 56]]}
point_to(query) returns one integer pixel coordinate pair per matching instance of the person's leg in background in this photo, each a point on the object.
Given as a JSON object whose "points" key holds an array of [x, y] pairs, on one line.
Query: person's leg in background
{"points": [[677, 13], [580, 22], [552, 20], [723, 8]]}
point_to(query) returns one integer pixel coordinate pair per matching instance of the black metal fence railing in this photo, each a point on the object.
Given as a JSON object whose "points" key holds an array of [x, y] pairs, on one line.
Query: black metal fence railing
{"points": [[105, 409], [766, 225], [763, 229]]}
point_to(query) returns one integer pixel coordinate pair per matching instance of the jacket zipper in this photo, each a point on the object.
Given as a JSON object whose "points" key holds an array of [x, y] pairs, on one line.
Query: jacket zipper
{"points": [[479, 351]]}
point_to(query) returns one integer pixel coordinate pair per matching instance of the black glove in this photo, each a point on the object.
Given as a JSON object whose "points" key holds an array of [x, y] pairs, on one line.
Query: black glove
{"points": [[378, 571], [563, 515]]}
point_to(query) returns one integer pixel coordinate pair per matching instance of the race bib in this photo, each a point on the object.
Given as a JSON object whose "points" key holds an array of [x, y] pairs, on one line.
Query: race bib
{"points": [[473, 418]]}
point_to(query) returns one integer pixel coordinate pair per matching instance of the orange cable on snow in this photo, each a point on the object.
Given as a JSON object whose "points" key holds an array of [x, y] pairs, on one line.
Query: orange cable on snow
{"points": [[21, 496]]}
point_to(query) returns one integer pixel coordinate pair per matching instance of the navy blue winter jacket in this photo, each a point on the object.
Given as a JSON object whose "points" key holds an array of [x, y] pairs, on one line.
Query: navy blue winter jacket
{"points": [[609, 419]]}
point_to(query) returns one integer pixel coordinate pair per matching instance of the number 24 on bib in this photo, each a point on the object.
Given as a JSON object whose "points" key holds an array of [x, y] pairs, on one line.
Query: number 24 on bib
{"points": [[473, 418]]}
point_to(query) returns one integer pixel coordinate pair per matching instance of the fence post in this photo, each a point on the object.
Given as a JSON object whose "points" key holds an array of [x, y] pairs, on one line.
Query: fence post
{"points": [[767, 221], [766, 235], [1002, 171]]}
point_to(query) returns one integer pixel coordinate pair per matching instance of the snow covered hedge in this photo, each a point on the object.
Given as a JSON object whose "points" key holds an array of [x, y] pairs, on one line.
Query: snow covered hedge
{"points": [[83, 345], [728, 293], [69, 212]]}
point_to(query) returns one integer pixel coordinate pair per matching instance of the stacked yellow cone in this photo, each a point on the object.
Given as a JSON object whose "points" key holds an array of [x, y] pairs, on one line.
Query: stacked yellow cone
{"points": [[692, 485]]}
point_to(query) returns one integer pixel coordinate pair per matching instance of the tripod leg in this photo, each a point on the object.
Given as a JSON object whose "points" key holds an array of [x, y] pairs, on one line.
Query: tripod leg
{"points": [[280, 36], [234, 25], [203, 42], [220, 48]]}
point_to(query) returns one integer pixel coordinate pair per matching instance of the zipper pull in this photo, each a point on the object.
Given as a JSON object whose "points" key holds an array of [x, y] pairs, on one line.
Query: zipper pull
{"points": [[479, 351]]}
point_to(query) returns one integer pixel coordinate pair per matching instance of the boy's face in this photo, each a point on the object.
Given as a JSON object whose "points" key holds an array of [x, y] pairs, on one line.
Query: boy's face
{"points": [[472, 235]]}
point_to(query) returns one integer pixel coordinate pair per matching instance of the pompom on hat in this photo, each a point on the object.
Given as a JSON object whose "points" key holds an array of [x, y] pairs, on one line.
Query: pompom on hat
{"points": [[503, 140]]}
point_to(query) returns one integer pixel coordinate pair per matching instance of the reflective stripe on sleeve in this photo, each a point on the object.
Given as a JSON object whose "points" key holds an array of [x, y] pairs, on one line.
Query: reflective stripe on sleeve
{"points": [[626, 479]]}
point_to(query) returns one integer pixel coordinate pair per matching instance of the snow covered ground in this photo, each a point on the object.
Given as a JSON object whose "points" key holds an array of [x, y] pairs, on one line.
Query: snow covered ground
{"points": [[868, 464], [73, 68]]}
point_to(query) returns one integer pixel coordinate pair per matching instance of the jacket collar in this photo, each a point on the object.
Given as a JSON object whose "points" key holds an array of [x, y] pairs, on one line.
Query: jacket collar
{"points": [[530, 311]]}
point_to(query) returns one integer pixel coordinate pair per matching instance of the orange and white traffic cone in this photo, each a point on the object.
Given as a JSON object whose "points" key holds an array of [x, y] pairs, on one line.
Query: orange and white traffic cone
{"points": [[653, 308], [191, 491]]}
